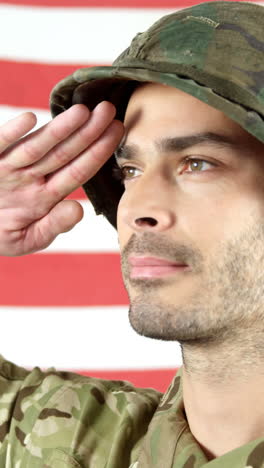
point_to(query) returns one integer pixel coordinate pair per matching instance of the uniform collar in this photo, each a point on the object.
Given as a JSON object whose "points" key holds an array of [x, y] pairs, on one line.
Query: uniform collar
{"points": [[169, 442]]}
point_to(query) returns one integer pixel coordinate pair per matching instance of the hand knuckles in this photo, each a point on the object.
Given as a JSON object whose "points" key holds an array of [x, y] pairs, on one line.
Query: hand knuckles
{"points": [[77, 174], [60, 154], [26, 175], [32, 152]]}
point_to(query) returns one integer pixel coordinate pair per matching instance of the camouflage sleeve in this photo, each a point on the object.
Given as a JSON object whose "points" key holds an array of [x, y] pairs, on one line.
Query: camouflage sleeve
{"points": [[59, 419]]}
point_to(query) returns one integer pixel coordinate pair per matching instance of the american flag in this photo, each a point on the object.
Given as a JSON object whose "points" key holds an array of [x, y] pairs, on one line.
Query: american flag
{"points": [[67, 306]]}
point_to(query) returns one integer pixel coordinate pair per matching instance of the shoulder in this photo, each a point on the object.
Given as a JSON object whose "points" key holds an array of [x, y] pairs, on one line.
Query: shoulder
{"points": [[66, 415]]}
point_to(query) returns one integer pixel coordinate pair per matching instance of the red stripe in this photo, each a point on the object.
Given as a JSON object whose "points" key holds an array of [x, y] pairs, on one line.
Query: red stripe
{"points": [[156, 378], [78, 194], [29, 84], [62, 280], [108, 3]]}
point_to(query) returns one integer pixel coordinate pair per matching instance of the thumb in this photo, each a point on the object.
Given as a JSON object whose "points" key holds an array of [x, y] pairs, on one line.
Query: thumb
{"points": [[66, 215], [61, 218]]}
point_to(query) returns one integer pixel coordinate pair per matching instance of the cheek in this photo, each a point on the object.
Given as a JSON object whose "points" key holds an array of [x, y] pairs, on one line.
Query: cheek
{"points": [[209, 222], [220, 220]]}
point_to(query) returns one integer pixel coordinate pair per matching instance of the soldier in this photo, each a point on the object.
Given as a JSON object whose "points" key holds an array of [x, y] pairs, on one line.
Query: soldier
{"points": [[182, 110]]}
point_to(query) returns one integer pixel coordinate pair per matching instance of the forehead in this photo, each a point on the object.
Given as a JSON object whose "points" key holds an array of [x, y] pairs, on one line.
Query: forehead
{"points": [[157, 113], [164, 109]]}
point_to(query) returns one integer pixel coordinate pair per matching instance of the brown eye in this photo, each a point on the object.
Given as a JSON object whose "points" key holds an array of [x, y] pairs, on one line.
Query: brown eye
{"points": [[197, 165], [125, 173], [128, 172]]}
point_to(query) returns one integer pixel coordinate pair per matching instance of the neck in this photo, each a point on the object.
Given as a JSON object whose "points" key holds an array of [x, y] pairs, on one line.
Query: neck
{"points": [[223, 394]]}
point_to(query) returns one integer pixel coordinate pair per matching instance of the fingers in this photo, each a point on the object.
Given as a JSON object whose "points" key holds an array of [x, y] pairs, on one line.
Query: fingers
{"points": [[66, 151], [34, 146], [81, 169], [16, 128], [32, 209]]}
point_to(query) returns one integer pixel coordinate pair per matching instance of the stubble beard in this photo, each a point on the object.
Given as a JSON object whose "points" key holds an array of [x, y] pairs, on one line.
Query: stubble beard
{"points": [[227, 301]]}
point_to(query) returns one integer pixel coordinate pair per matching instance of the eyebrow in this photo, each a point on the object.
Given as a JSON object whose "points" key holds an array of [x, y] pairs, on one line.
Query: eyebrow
{"points": [[181, 143]]}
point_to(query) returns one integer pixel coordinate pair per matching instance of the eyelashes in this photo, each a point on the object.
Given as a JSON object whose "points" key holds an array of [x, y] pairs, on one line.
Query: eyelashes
{"points": [[122, 173]]}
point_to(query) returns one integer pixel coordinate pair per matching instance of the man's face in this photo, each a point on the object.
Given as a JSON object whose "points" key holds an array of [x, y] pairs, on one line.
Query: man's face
{"points": [[191, 219]]}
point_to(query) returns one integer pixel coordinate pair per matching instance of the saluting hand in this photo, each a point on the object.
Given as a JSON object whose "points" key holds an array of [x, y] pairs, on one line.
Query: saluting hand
{"points": [[39, 170]]}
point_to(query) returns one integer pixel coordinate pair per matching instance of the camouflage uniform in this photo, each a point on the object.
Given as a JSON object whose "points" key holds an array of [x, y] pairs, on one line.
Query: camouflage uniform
{"points": [[64, 420]]}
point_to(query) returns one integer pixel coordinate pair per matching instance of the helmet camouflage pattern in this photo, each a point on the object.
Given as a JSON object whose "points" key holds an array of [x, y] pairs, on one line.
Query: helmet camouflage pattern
{"points": [[213, 51]]}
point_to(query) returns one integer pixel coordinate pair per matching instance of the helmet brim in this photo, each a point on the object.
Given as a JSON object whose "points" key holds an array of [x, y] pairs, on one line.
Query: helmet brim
{"points": [[116, 84]]}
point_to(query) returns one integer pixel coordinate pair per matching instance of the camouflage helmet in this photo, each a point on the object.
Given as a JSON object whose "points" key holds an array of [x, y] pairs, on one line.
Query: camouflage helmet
{"points": [[213, 51]]}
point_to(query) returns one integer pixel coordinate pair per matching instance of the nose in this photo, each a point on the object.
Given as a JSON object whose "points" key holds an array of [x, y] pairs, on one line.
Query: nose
{"points": [[147, 204]]}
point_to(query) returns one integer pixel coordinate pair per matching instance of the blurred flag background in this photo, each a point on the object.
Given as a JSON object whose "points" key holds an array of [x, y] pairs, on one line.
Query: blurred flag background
{"points": [[67, 307]]}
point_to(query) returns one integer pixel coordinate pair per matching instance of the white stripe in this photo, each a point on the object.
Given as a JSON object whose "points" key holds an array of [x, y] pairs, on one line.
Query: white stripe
{"points": [[9, 112], [81, 35], [92, 234], [84, 338]]}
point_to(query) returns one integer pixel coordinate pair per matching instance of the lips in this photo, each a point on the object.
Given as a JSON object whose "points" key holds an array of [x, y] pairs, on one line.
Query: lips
{"points": [[153, 267]]}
